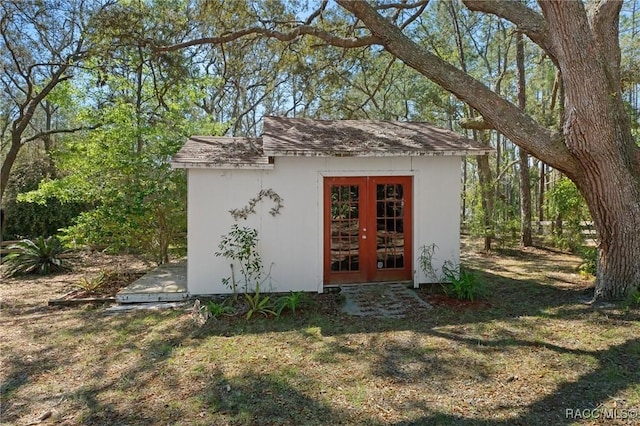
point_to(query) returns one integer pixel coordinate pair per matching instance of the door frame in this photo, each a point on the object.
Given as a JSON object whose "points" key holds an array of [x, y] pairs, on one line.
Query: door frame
{"points": [[368, 272]]}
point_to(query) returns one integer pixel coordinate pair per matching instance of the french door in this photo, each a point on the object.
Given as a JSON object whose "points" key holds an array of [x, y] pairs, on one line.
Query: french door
{"points": [[367, 229]]}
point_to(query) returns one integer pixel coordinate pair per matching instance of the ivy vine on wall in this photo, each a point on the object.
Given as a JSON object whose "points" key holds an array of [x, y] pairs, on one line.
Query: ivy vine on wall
{"points": [[250, 208]]}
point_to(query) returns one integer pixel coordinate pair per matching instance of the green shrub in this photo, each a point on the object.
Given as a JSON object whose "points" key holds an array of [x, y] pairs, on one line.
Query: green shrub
{"points": [[291, 301], [464, 284], [40, 256]]}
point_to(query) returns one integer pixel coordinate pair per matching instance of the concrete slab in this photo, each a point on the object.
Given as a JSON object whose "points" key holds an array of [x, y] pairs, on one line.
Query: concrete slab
{"points": [[152, 306], [166, 283], [381, 300]]}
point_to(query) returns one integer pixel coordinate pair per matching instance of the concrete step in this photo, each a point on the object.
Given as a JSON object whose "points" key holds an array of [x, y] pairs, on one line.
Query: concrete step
{"points": [[167, 283]]}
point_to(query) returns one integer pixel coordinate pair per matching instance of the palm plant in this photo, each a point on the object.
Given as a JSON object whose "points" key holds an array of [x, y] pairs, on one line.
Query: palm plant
{"points": [[40, 256]]}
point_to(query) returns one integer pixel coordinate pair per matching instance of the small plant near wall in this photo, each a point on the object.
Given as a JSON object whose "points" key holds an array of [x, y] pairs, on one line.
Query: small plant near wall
{"points": [[259, 303], [241, 245], [292, 301], [218, 309], [425, 260], [462, 283], [458, 282]]}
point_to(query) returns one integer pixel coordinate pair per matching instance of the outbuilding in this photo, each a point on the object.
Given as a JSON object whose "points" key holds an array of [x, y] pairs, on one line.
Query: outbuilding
{"points": [[334, 202]]}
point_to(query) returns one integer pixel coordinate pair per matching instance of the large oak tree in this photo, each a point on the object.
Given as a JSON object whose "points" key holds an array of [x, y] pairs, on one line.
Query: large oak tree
{"points": [[594, 146]]}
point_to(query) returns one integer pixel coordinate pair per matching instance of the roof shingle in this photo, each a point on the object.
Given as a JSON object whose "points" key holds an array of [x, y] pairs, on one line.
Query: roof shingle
{"points": [[362, 138], [324, 138]]}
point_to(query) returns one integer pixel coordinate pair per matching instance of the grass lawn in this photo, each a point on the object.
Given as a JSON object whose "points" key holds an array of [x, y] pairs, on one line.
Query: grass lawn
{"points": [[529, 353]]}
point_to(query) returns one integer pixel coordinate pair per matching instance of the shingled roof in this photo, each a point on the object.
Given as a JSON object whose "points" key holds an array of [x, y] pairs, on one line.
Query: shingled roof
{"points": [[221, 153], [362, 138], [324, 138]]}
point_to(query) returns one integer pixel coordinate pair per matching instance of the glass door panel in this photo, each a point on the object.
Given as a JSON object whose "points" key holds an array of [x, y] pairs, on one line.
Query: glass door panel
{"points": [[392, 207], [367, 229], [343, 219], [345, 227], [390, 226]]}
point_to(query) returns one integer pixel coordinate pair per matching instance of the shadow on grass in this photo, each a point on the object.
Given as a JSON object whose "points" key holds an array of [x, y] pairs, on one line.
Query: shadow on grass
{"points": [[618, 369], [257, 398], [509, 299], [130, 360]]}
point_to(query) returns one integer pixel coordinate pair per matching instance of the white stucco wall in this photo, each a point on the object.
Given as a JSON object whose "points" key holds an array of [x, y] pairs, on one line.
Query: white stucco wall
{"points": [[291, 242]]}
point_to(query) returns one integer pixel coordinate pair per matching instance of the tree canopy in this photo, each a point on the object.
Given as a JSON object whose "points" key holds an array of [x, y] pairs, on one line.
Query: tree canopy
{"points": [[104, 92]]}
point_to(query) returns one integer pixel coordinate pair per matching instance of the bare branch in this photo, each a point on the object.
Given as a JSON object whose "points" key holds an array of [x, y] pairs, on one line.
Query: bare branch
{"points": [[415, 16], [299, 31], [525, 19], [402, 5], [14, 56], [46, 133], [371, 94], [317, 13]]}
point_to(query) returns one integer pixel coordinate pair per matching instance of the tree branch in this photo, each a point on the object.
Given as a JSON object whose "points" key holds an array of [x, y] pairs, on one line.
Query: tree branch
{"points": [[415, 15], [317, 13], [46, 133], [525, 19], [604, 21], [475, 123], [497, 111], [402, 5], [299, 31]]}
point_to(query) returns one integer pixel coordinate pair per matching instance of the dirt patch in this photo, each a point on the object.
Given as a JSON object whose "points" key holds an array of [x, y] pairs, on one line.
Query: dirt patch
{"points": [[447, 302], [118, 271], [105, 284]]}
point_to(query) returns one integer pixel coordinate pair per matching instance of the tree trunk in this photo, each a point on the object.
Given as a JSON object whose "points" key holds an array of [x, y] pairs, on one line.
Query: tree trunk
{"points": [[598, 133], [525, 180], [541, 191], [616, 215], [525, 200], [485, 181], [7, 164], [484, 168]]}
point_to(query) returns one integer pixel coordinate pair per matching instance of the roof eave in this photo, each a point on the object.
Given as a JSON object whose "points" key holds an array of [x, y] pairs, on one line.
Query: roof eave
{"points": [[220, 166], [313, 153]]}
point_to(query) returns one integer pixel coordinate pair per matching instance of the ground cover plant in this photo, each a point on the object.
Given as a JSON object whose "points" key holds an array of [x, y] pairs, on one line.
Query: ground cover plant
{"points": [[533, 354], [39, 256]]}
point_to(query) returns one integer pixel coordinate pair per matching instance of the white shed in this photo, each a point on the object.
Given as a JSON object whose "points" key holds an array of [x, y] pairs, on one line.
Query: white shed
{"points": [[359, 199]]}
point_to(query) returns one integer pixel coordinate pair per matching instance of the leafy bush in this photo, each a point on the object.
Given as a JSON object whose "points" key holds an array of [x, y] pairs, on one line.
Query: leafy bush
{"points": [[569, 210], [24, 219], [464, 284], [634, 298], [41, 256]]}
